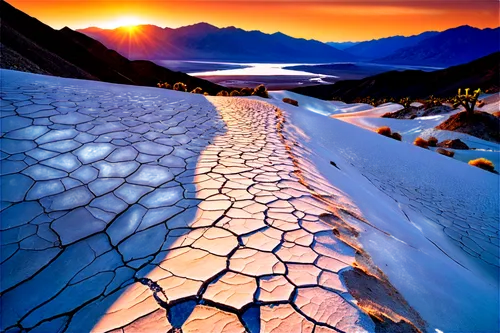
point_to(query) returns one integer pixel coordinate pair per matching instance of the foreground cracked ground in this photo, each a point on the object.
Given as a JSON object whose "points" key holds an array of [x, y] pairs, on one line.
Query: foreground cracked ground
{"points": [[128, 209]]}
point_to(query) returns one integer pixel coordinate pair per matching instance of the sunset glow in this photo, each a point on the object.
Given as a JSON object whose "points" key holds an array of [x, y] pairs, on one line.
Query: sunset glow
{"points": [[129, 23], [322, 20]]}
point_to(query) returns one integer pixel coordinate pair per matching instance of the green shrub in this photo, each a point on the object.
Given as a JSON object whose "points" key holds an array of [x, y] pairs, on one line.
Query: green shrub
{"points": [[405, 102], [432, 102]]}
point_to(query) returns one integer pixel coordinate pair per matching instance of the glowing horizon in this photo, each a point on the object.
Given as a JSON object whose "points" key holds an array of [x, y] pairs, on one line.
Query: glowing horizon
{"points": [[326, 21]]}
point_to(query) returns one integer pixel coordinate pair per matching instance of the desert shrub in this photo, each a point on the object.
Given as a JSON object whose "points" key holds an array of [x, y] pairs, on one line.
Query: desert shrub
{"points": [[432, 102], [164, 85], [234, 93], [421, 143], [197, 90], [260, 91], [405, 102], [179, 86], [246, 91], [468, 101], [483, 163], [365, 100], [290, 101], [396, 136], [432, 141], [445, 152], [480, 104], [206, 94], [222, 93], [497, 114], [385, 131]]}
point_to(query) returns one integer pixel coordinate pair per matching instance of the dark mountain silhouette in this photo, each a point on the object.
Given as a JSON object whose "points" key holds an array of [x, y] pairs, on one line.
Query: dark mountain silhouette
{"points": [[379, 48], [203, 41], [482, 73], [451, 47], [30, 45]]}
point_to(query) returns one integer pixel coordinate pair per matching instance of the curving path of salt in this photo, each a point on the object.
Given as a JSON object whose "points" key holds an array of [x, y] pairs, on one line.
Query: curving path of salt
{"points": [[133, 209]]}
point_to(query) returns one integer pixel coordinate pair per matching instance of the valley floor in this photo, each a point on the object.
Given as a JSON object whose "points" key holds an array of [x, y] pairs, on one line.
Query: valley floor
{"points": [[129, 208]]}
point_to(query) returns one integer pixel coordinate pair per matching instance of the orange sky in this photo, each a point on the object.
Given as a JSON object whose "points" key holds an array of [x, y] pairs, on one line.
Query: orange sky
{"points": [[323, 20]]}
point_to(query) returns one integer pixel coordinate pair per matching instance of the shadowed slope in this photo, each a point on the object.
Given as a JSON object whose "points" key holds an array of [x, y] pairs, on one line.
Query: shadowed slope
{"points": [[71, 54], [482, 73]]}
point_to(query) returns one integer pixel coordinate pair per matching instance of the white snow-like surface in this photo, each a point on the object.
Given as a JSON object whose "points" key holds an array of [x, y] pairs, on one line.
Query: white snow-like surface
{"points": [[424, 127], [95, 175], [430, 214], [144, 210], [370, 111], [311, 104], [492, 103], [261, 69]]}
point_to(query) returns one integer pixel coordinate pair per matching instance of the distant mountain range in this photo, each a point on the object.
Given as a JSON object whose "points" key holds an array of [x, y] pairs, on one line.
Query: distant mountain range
{"points": [[380, 48], [203, 41], [451, 47], [482, 73], [29, 45]]}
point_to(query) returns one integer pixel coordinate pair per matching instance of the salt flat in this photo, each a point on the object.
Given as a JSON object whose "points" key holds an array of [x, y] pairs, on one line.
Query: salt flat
{"points": [[134, 209]]}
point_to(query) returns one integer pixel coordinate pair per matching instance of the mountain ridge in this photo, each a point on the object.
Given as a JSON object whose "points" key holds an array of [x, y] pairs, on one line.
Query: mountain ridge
{"points": [[482, 73], [67, 53], [449, 48], [203, 41]]}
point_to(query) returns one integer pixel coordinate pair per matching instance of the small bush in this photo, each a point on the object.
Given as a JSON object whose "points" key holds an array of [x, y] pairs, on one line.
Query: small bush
{"points": [[179, 86], [260, 91], [222, 93], [234, 93], [290, 101], [164, 85], [480, 104], [197, 90], [396, 136], [385, 131], [421, 143], [483, 163], [432, 102], [432, 141], [246, 91], [445, 152], [405, 102], [206, 94]]}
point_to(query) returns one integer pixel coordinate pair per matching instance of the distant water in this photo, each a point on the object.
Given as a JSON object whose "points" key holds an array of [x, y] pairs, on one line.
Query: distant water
{"points": [[257, 69], [279, 75]]}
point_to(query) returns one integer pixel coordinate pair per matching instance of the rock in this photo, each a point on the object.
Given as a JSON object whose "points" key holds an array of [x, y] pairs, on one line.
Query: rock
{"points": [[454, 144]]}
